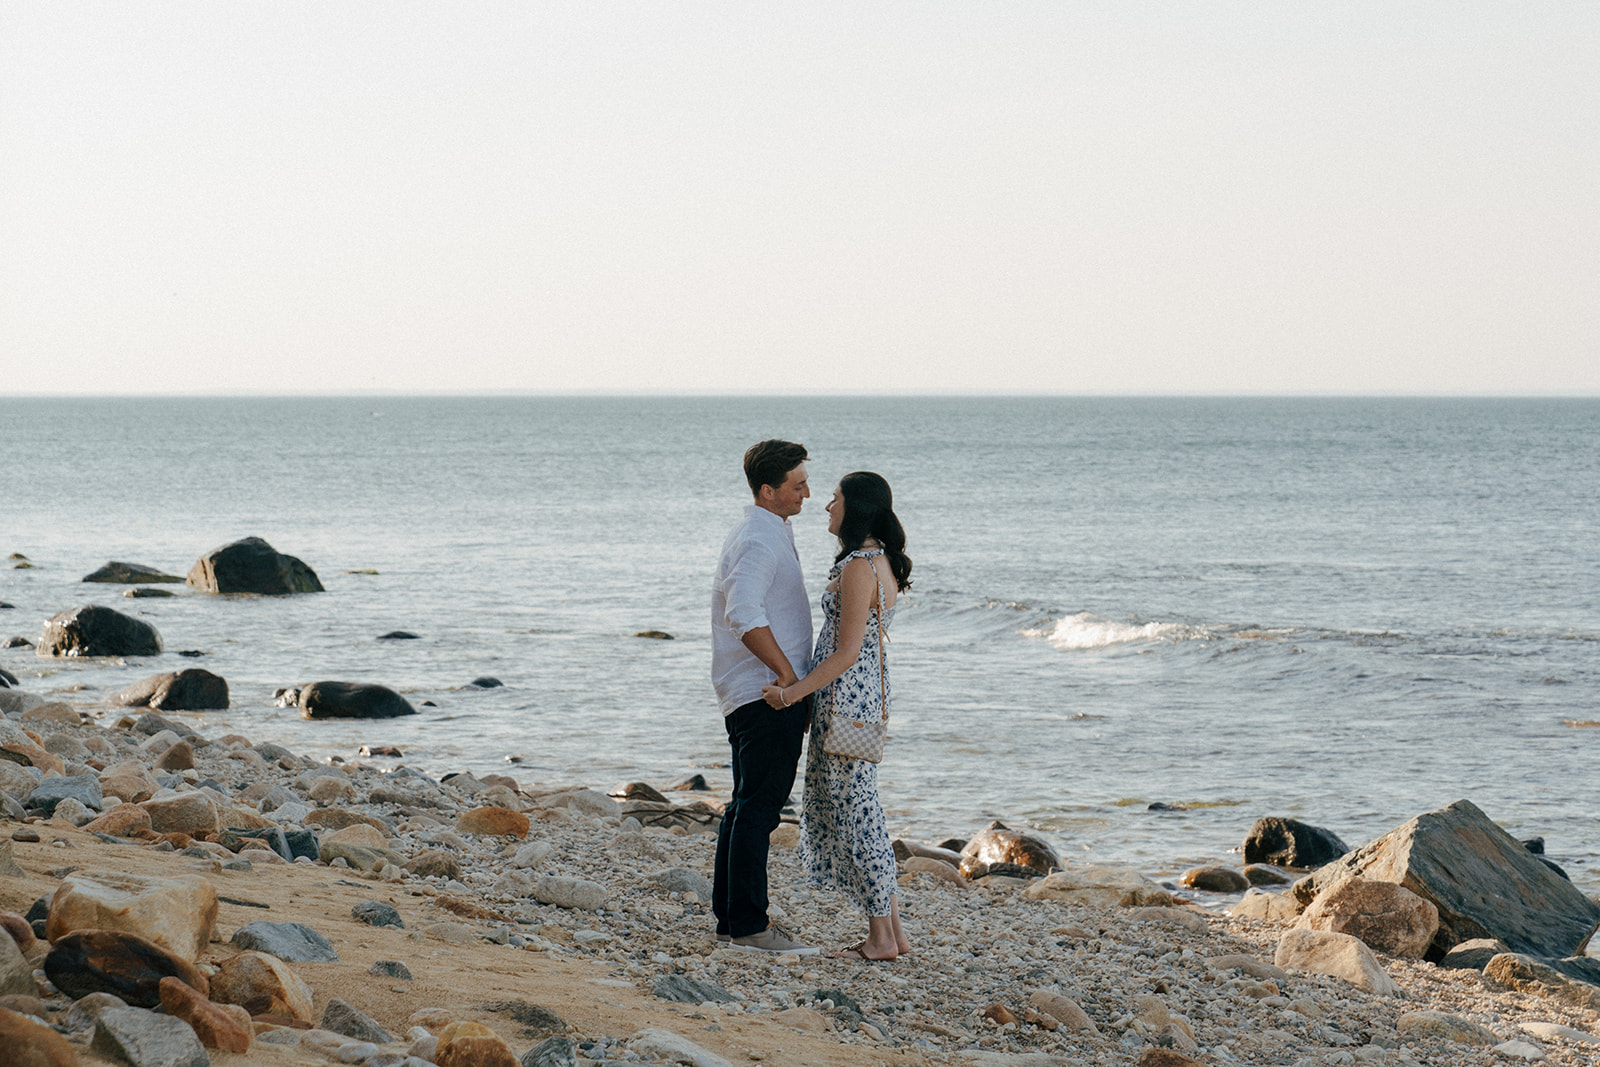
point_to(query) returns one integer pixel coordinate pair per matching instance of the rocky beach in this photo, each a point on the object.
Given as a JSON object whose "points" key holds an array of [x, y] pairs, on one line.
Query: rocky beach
{"points": [[177, 898]]}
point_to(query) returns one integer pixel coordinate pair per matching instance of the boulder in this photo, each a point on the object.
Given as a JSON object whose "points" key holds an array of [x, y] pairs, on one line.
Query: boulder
{"points": [[1385, 916], [252, 566], [213, 1024], [1536, 978], [190, 813], [187, 690], [262, 985], [351, 700], [467, 1044], [493, 822], [945, 872], [110, 961], [1291, 843], [295, 942], [339, 818], [177, 914], [9, 867], [115, 573], [96, 631], [1103, 885], [997, 843], [180, 757], [1483, 882], [359, 834], [145, 1039], [1262, 874], [19, 930], [30, 1043], [1340, 955], [55, 711]]}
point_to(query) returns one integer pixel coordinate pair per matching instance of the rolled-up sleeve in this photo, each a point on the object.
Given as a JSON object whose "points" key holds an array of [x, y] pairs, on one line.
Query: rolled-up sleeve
{"points": [[745, 587]]}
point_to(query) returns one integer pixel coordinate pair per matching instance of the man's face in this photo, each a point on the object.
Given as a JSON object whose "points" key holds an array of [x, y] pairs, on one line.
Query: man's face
{"points": [[786, 500]]}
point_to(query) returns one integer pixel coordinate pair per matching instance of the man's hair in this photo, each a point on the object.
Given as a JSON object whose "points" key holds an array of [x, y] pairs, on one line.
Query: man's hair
{"points": [[769, 463]]}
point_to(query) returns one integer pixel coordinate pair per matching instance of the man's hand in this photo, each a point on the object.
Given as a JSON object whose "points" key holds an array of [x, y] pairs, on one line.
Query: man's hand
{"points": [[765, 648]]}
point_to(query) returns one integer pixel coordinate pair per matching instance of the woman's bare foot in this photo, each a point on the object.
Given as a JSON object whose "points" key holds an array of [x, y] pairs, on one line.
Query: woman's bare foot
{"points": [[863, 951]]}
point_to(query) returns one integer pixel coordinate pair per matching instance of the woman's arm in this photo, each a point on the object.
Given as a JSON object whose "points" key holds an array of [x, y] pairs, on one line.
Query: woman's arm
{"points": [[857, 585]]}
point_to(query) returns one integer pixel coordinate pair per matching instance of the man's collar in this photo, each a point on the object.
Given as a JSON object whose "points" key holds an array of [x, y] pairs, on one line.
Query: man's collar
{"points": [[758, 509]]}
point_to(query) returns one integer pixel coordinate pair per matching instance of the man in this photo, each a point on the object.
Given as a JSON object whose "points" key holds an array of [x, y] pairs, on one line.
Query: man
{"points": [[760, 634]]}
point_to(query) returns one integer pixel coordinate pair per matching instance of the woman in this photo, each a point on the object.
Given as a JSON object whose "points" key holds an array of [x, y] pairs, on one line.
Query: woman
{"points": [[844, 840]]}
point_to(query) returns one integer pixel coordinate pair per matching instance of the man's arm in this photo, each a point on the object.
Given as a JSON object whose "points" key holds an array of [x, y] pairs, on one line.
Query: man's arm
{"points": [[746, 590], [765, 648]]}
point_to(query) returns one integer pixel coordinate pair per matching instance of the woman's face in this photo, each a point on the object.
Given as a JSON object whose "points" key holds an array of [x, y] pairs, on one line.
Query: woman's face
{"points": [[835, 511]]}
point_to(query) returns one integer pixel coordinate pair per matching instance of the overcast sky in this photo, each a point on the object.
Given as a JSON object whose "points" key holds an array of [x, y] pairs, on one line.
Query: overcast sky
{"points": [[1057, 197]]}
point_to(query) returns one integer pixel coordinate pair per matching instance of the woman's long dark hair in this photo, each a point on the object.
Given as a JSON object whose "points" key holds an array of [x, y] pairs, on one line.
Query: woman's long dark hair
{"points": [[869, 513]]}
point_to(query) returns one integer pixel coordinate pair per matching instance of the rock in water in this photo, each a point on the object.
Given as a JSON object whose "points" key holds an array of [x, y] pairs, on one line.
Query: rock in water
{"points": [[96, 631], [252, 566], [129, 574], [108, 961], [351, 700], [1482, 881], [188, 690], [1291, 843], [997, 843]]}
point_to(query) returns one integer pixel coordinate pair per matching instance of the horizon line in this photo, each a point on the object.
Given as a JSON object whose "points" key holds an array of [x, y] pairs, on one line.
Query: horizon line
{"points": [[382, 394]]}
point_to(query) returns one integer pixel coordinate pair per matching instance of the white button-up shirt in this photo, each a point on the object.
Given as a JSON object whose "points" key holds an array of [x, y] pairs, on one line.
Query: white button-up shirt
{"points": [[758, 584]]}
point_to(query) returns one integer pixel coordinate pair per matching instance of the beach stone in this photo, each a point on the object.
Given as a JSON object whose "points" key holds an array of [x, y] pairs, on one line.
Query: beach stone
{"points": [[251, 565], [584, 801], [54, 788], [18, 742], [18, 929], [1343, 956], [295, 942], [9, 867], [997, 843], [1520, 1050], [1473, 955], [1291, 843], [493, 821], [1266, 907], [191, 813], [1511, 970], [637, 791], [1188, 918], [342, 1018], [351, 700], [1557, 1032], [359, 857], [359, 834], [434, 863], [144, 1039], [943, 871], [682, 880], [15, 781], [214, 1026], [681, 989], [665, 1045], [85, 1010], [331, 791], [533, 855], [72, 813], [30, 1043], [1215, 880], [110, 961], [262, 985], [469, 1044], [390, 969], [458, 933], [377, 913], [1238, 961], [193, 689], [1386, 916], [115, 573], [54, 712], [1443, 1026], [339, 818], [564, 892], [180, 757], [16, 973], [242, 838], [1161, 1057], [1064, 1010], [177, 914], [129, 779], [554, 1051], [97, 631], [1481, 880], [1101, 885]]}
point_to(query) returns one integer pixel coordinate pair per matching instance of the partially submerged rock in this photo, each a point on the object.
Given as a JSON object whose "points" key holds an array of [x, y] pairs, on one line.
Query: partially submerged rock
{"points": [[252, 566], [998, 843], [351, 700], [93, 630], [193, 689], [116, 573], [1291, 843]]}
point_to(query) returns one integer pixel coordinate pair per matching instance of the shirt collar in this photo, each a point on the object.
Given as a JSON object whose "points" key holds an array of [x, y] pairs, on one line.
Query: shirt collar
{"points": [[759, 512]]}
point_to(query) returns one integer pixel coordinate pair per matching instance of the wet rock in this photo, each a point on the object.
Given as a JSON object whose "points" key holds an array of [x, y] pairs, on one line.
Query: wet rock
{"points": [[192, 813], [30, 1043], [53, 789], [1511, 970], [682, 989], [381, 752], [665, 1045], [341, 1018], [1442, 1026], [115, 573], [177, 914], [637, 791], [997, 843], [144, 1039], [193, 689], [1064, 1010], [295, 942], [390, 969], [252, 566], [214, 1025], [351, 700], [1215, 880], [1102, 885], [552, 1052], [1291, 843], [468, 1044], [398, 635], [141, 593], [17, 641], [1481, 880], [493, 822], [1386, 916], [262, 985], [486, 682], [1261, 874], [97, 631], [377, 913], [1340, 955], [691, 783], [109, 961]]}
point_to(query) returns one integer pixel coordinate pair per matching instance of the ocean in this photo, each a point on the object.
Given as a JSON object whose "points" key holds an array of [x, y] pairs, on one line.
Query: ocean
{"points": [[1348, 611]]}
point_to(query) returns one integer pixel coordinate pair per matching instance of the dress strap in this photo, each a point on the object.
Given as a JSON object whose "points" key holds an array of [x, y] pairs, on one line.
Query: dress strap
{"points": [[867, 554]]}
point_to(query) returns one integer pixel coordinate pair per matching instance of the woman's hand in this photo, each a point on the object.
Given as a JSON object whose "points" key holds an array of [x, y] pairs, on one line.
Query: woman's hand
{"points": [[773, 695]]}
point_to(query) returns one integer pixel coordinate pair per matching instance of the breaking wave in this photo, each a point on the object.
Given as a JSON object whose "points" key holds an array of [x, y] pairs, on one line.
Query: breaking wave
{"points": [[1086, 631]]}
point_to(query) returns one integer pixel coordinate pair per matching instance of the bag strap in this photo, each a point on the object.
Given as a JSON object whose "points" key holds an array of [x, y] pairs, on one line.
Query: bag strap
{"points": [[883, 683]]}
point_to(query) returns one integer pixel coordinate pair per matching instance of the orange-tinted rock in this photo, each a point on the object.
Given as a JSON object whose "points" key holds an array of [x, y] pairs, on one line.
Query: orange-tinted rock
{"points": [[178, 914], [130, 780], [467, 1044], [494, 822], [29, 1043], [262, 985], [19, 929], [110, 961], [124, 820], [214, 1027], [180, 757], [999, 1013]]}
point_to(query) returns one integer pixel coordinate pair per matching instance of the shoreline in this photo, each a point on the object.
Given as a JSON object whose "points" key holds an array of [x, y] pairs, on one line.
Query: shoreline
{"points": [[1141, 976]]}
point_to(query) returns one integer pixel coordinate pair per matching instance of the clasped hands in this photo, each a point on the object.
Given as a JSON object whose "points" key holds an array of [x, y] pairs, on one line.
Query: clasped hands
{"points": [[774, 694]]}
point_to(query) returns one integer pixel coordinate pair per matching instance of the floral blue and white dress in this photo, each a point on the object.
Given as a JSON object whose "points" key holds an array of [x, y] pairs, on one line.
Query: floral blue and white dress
{"points": [[844, 841]]}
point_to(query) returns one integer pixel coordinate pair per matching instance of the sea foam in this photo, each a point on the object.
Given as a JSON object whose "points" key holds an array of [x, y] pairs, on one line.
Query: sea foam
{"points": [[1085, 631]]}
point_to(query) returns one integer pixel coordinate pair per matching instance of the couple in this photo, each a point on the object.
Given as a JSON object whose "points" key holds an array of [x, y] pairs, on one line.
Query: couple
{"points": [[772, 689]]}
